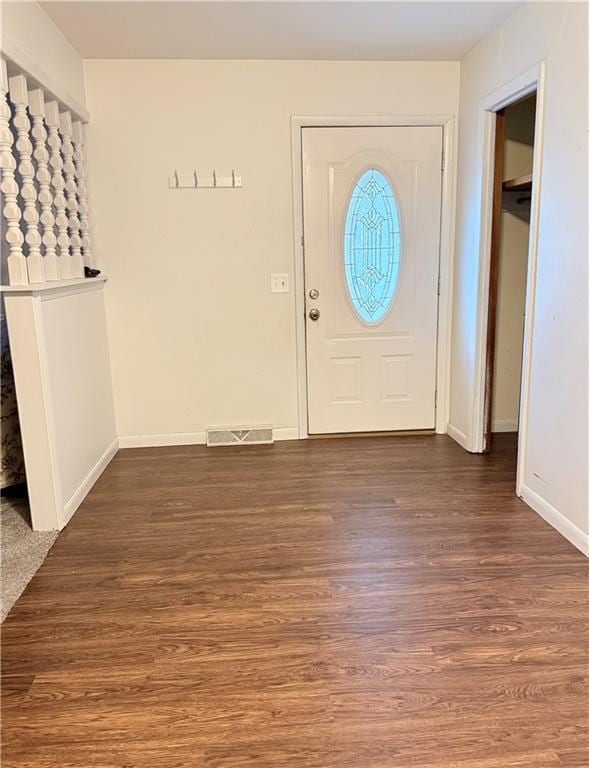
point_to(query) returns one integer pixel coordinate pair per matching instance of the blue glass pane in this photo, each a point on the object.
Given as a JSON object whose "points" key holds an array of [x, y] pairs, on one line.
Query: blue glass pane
{"points": [[372, 246]]}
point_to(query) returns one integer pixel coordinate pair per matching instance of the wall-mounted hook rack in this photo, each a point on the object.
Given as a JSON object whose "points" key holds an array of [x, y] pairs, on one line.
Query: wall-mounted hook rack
{"points": [[195, 180]]}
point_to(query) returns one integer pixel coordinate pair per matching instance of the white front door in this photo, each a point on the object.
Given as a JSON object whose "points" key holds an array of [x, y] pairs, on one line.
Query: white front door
{"points": [[371, 206]]}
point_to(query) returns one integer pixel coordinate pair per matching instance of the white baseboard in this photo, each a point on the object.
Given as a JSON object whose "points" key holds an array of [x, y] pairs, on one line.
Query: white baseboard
{"points": [[458, 435], [504, 425], [189, 438], [85, 486], [286, 433], [152, 441], [556, 519]]}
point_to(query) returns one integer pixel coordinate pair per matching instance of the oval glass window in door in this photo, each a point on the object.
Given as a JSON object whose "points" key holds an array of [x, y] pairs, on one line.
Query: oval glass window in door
{"points": [[372, 246]]}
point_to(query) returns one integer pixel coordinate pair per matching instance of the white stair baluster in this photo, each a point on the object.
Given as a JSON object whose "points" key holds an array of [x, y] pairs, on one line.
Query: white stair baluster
{"points": [[16, 262], [69, 171], [78, 130], [43, 176], [64, 258], [19, 97]]}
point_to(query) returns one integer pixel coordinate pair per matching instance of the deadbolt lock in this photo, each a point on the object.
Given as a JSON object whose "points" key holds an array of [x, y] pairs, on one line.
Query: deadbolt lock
{"points": [[313, 293]]}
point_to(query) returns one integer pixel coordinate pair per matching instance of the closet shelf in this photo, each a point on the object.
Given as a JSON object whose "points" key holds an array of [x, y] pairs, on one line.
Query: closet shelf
{"points": [[519, 183]]}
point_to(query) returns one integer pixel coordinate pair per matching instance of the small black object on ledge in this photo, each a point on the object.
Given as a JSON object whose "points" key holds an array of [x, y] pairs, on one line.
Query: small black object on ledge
{"points": [[91, 272]]}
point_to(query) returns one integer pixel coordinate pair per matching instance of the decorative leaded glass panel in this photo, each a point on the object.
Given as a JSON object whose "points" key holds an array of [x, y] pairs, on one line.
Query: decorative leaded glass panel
{"points": [[372, 246]]}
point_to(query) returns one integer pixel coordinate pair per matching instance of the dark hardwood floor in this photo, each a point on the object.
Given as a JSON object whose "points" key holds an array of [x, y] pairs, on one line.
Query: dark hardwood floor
{"points": [[359, 603]]}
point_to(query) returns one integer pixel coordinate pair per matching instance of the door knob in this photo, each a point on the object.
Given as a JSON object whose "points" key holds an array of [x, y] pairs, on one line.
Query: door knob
{"points": [[314, 314]]}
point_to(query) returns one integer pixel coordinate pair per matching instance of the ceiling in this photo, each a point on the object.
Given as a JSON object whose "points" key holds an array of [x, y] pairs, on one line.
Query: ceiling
{"points": [[277, 30]]}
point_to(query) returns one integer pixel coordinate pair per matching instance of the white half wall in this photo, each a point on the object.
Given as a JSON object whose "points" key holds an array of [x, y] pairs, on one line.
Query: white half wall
{"points": [[196, 337], [61, 367], [555, 460], [33, 41]]}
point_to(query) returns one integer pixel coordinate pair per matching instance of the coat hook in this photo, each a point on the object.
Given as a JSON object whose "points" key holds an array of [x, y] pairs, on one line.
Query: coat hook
{"points": [[233, 177], [176, 178], [214, 178], [195, 179]]}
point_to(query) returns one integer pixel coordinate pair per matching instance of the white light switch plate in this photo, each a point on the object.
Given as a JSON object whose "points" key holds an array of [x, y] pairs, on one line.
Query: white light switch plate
{"points": [[279, 283]]}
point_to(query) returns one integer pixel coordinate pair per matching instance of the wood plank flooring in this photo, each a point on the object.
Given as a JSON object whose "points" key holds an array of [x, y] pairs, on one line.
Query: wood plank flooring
{"points": [[361, 603]]}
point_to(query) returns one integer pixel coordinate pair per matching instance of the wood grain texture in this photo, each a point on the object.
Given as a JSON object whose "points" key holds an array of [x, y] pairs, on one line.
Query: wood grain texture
{"points": [[375, 602]]}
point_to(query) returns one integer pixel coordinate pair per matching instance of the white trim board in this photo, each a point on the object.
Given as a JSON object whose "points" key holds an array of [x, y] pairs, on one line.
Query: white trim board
{"points": [[189, 438], [152, 441], [556, 519], [86, 485], [457, 435], [36, 75], [58, 287], [448, 212], [26, 333]]}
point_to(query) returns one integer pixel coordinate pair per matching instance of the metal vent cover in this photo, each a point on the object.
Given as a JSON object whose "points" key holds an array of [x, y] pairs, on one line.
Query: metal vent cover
{"points": [[240, 436]]}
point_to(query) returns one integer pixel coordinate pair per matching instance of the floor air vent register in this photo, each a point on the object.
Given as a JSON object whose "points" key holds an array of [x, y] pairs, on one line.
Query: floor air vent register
{"points": [[240, 436]]}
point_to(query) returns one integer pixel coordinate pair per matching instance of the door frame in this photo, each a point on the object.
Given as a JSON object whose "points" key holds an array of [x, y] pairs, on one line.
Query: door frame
{"points": [[494, 257], [448, 125], [531, 81]]}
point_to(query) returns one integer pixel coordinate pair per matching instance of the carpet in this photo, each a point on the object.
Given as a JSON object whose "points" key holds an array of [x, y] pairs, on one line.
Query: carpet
{"points": [[22, 550]]}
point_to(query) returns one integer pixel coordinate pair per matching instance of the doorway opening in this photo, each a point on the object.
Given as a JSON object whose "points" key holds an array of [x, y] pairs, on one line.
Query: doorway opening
{"points": [[513, 179]]}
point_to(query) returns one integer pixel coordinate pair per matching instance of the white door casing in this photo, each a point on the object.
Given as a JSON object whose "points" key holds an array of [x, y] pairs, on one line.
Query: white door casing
{"points": [[364, 376]]}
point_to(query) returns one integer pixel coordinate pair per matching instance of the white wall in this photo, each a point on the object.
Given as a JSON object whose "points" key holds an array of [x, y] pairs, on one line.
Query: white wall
{"points": [[30, 38], [555, 481], [196, 337]]}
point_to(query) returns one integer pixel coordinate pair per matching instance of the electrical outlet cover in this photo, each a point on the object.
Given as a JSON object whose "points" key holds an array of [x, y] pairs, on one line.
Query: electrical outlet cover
{"points": [[279, 283]]}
